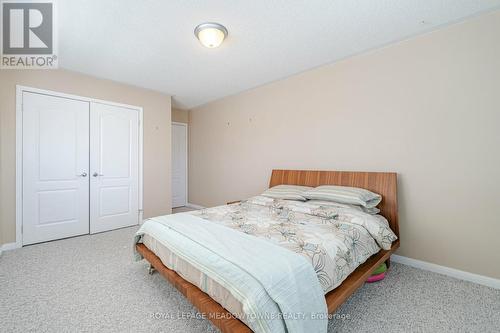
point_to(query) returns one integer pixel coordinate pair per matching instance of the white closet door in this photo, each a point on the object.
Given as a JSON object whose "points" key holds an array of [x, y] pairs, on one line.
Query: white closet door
{"points": [[114, 167], [55, 168], [179, 165]]}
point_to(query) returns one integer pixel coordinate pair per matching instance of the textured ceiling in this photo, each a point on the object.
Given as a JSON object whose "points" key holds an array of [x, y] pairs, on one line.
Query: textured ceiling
{"points": [[150, 43]]}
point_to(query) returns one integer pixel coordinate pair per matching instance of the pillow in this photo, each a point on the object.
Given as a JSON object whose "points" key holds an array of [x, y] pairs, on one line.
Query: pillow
{"points": [[371, 211], [344, 194], [287, 192]]}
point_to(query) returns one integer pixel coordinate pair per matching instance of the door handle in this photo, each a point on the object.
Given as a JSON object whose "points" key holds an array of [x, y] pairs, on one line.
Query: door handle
{"points": [[84, 174], [97, 174]]}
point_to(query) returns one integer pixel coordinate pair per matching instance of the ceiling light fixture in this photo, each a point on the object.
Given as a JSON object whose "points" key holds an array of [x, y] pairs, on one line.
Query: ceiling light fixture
{"points": [[210, 34]]}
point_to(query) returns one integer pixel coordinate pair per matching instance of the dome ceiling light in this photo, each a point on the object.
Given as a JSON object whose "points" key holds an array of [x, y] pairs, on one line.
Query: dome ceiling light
{"points": [[210, 34]]}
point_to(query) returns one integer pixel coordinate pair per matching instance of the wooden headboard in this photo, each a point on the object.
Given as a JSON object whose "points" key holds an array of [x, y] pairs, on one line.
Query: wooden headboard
{"points": [[383, 183]]}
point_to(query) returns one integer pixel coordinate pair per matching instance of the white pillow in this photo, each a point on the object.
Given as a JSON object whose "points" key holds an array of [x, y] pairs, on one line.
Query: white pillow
{"points": [[344, 194], [287, 192], [372, 211]]}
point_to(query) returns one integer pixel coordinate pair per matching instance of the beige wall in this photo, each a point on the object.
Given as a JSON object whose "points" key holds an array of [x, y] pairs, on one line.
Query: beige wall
{"points": [[180, 116], [157, 196], [428, 108]]}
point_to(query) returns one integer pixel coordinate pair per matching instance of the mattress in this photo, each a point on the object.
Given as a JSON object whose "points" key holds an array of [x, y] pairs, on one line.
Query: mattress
{"points": [[336, 240], [193, 275]]}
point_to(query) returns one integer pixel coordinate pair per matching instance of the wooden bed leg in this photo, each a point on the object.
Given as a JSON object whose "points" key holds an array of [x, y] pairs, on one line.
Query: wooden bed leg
{"points": [[388, 262], [151, 269]]}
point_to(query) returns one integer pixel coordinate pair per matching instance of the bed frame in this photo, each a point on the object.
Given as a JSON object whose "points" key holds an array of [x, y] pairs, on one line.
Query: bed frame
{"points": [[384, 183]]}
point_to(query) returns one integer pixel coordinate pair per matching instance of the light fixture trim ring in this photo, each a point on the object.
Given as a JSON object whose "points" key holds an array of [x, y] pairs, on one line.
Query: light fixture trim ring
{"points": [[208, 25]]}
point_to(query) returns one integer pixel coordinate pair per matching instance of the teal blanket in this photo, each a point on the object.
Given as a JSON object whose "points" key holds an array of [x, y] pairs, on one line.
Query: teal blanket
{"points": [[279, 289]]}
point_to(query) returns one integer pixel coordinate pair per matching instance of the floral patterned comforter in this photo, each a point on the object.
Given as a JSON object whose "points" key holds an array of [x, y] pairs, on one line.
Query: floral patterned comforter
{"points": [[335, 239]]}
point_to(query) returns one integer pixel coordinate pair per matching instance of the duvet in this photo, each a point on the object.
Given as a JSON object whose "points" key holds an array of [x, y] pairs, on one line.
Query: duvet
{"points": [[334, 239], [286, 254]]}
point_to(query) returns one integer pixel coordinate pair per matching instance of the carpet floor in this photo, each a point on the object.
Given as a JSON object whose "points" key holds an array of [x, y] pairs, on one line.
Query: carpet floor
{"points": [[90, 284]]}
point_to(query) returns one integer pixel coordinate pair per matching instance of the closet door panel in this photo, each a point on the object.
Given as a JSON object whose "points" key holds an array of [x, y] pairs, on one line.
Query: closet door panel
{"points": [[114, 161], [55, 167]]}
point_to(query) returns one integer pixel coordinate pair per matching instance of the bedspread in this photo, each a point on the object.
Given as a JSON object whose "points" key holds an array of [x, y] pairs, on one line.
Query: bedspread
{"points": [[278, 289], [335, 240], [264, 252]]}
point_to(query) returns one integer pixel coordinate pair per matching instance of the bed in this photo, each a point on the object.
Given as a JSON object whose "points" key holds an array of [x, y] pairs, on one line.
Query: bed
{"points": [[182, 274]]}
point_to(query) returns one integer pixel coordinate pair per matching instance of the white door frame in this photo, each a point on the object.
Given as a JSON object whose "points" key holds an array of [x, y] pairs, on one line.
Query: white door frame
{"points": [[187, 157], [19, 148]]}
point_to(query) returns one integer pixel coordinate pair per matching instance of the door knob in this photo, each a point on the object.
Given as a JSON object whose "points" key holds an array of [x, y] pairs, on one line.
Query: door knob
{"points": [[97, 174], [83, 174]]}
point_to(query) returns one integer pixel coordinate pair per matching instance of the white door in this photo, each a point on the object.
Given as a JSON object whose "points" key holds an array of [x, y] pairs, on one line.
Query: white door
{"points": [[114, 167], [55, 169], [179, 164]]}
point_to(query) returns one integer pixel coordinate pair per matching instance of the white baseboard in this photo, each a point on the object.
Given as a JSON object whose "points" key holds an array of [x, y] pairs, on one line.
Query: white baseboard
{"points": [[452, 272], [8, 247], [190, 205]]}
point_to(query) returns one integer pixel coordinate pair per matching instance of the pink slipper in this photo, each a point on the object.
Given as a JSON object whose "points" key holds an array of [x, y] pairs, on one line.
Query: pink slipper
{"points": [[375, 278]]}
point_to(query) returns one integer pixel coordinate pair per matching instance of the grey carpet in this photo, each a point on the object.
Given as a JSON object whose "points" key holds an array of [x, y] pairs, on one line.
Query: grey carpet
{"points": [[90, 283]]}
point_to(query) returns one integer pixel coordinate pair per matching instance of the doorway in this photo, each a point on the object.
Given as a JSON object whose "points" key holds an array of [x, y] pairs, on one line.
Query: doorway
{"points": [[179, 164]]}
